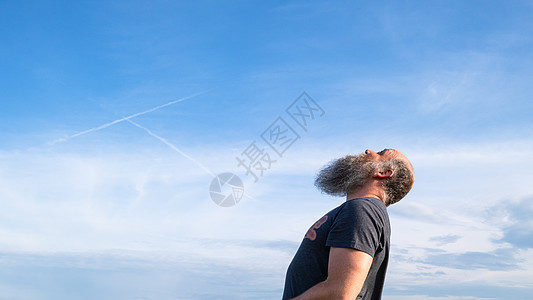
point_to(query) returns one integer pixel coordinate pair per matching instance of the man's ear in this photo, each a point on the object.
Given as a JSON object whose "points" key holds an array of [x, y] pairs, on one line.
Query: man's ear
{"points": [[385, 173]]}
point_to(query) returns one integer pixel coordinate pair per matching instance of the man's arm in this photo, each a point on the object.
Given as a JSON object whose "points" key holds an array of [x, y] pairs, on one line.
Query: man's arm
{"points": [[347, 271]]}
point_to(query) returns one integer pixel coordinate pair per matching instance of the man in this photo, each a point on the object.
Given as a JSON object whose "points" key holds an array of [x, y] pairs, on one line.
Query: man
{"points": [[344, 255]]}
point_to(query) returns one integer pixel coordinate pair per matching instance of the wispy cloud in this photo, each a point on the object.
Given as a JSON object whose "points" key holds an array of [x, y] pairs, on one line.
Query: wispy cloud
{"points": [[445, 239], [499, 260], [515, 219], [442, 94]]}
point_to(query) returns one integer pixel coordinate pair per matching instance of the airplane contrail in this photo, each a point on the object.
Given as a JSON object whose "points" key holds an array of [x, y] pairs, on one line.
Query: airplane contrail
{"points": [[172, 147], [122, 119]]}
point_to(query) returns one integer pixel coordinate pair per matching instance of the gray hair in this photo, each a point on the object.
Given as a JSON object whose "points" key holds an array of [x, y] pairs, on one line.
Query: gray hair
{"points": [[345, 175], [400, 183]]}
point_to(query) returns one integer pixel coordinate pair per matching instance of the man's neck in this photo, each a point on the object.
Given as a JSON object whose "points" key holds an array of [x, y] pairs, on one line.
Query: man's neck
{"points": [[366, 191]]}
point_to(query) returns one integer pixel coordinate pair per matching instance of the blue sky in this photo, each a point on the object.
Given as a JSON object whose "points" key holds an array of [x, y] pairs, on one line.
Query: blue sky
{"points": [[117, 115]]}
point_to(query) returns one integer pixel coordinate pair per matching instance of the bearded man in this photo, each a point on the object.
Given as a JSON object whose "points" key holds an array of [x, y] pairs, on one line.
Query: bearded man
{"points": [[344, 255]]}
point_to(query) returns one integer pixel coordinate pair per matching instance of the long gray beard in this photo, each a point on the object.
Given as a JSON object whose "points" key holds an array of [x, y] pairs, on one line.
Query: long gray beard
{"points": [[343, 175]]}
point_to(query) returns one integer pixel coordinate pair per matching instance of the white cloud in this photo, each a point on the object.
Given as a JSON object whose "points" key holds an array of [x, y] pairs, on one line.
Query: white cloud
{"points": [[157, 205]]}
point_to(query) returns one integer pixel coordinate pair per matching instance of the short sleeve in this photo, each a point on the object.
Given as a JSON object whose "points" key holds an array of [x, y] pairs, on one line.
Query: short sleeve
{"points": [[358, 225]]}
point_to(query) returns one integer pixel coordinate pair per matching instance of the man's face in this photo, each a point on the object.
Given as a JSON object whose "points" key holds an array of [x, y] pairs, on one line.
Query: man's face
{"points": [[382, 155], [385, 155]]}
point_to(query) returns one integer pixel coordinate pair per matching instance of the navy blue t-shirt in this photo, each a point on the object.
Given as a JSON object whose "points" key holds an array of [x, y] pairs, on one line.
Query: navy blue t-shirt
{"points": [[362, 224]]}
